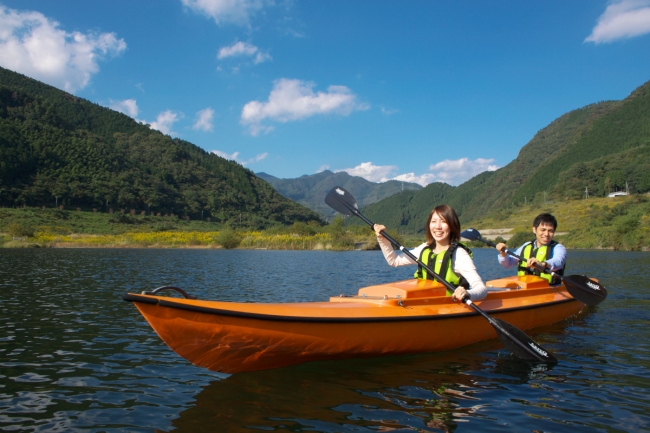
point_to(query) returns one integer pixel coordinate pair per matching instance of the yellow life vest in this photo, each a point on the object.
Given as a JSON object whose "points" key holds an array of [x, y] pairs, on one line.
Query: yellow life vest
{"points": [[442, 265], [542, 254]]}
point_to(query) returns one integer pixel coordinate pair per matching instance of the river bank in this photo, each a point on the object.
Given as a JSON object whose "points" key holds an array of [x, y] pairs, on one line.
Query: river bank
{"points": [[226, 239], [620, 224]]}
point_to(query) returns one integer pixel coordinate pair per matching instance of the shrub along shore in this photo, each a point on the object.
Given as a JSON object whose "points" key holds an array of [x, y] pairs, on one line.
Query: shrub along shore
{"points": [[621, 223], [60, 228]]}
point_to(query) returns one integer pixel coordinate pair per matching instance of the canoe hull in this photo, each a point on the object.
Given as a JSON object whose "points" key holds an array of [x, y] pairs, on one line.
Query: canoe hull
{"points": [[236, 337]]}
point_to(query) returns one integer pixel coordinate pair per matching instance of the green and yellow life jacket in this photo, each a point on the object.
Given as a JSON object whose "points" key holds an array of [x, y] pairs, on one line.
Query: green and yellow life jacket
{"points": [[542, 254], [442, 265]]}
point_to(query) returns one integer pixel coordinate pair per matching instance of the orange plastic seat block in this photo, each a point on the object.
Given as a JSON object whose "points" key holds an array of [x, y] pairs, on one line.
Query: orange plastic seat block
{"points": [[407, 289]]}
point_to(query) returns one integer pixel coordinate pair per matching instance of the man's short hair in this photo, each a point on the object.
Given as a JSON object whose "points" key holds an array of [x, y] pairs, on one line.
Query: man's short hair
{"points": [[545, 218]]}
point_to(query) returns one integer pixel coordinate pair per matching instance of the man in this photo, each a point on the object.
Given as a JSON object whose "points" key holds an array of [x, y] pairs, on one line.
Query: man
{"points": [[543, 250]]}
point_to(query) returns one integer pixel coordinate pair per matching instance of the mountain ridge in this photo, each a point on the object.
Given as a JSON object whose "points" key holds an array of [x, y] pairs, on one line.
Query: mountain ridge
{"points": [[310, 190]]}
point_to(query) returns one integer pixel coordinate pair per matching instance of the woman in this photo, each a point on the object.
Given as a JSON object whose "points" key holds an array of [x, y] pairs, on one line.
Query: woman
{"points": [[442, 252]]}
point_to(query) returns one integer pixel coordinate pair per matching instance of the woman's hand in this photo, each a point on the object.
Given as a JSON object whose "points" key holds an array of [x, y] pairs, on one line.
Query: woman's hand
{"points": [[459, 294], [378, 228], [501, 247]]}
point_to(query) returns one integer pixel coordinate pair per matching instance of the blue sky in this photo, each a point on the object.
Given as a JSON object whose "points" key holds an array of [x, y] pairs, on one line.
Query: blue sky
{"points": [[421, 91]]}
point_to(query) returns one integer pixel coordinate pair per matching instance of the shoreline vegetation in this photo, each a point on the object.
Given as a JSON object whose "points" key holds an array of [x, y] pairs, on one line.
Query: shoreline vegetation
{"points": [[621, 223]]}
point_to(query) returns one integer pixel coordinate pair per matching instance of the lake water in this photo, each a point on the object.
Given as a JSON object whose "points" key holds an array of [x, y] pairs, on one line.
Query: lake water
{"points": [[75, 357]]}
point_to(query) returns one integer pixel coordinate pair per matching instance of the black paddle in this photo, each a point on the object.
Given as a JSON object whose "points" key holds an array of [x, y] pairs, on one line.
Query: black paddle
{"points": [[512, 338], [582, 288]]}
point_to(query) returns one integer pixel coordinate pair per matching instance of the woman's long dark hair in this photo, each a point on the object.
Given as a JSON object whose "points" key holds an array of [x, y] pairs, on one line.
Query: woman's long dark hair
{"points": [[448, 214]]}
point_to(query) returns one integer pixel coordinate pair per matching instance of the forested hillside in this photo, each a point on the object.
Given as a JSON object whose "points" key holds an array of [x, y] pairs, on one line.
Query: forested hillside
{"points": [[310, 190], [600, 147], [58, 149]]}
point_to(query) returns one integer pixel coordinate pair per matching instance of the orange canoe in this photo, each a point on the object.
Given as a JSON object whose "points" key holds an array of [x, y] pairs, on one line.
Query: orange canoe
{"points": [[411, 316]]}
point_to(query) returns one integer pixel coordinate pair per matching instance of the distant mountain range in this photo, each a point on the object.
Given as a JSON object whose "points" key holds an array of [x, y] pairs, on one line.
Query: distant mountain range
{"points": [[310, 190], [57, 149], [594, 149]]}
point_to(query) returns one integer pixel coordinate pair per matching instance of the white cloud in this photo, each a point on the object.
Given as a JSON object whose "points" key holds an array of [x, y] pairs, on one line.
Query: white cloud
{"points": [[235, 157], [243, 49], [424, 179], [34, 45], [323, 168], [294, 100], [371, 172], [226, 11], [204, 120], [622, 19], [228, 156], [127, 106], [164, 122], [452, 172], [455, 172]]}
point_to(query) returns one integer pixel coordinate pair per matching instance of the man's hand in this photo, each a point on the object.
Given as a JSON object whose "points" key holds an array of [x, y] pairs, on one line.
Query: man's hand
{"points": [[501, 247], [533, 261]]}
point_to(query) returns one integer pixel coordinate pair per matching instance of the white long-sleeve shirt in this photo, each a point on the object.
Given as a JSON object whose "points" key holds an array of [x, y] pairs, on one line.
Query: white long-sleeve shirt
{"points": [[462, 264]]}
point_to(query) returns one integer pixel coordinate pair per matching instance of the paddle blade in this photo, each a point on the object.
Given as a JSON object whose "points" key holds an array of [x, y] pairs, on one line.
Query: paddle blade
{"points": [[584, 289], [520, 344], [341, 201], [471, 234]]}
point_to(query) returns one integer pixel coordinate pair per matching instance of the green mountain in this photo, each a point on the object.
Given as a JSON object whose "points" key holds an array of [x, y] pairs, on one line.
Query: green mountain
{"points": [[56, 148], [310, 190], [600, 147]]}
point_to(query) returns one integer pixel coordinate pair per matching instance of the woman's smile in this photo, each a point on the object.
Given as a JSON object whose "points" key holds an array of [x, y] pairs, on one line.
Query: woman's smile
{"points": [[439, 229]]}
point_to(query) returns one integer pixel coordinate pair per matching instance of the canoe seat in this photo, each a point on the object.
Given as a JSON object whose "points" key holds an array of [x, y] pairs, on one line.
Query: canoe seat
{"points": [[406, 289], [517, 282]]}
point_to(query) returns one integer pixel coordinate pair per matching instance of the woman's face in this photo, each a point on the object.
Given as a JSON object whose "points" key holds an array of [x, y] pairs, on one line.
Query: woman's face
{"points": [[439, 229]]}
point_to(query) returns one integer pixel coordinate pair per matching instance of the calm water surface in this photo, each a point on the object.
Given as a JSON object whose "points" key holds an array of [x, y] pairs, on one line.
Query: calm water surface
{"points": [[75, 357]]}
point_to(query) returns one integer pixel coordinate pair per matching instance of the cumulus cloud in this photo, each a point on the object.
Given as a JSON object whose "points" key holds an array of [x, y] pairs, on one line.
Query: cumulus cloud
{"points": [[371, 172], [621, 20], [423, 179], [453, 172], [203, 120], [127, 106], [235, 157], [239, 49], [457, 171], [292, 100], [164, 122], [236, 12], [32, 44]]}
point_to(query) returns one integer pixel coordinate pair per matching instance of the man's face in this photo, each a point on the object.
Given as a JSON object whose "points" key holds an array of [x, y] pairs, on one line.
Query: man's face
{"points": [[544, 233]]}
